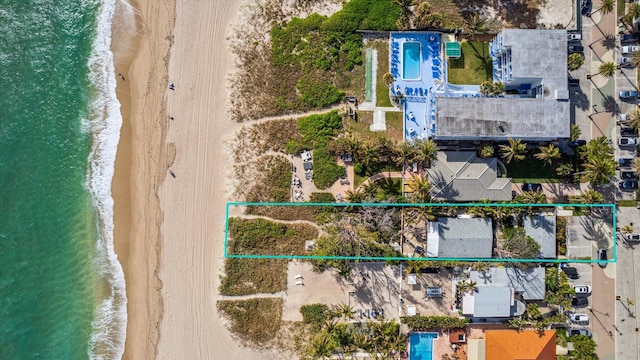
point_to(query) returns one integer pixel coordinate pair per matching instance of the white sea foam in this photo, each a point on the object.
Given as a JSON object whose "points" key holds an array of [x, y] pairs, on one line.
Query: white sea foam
{"points": [[110, 320]]}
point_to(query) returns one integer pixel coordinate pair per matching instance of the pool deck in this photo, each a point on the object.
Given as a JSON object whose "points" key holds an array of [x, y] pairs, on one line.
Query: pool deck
{"points": [[419, 100]]}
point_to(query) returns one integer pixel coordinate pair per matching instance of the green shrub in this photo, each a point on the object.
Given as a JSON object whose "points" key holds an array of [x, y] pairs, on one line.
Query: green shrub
{"points": [[315, 313], [257, 321], [430, 322], [316, 93], [364, 15], [321, 197], [325, 169]]}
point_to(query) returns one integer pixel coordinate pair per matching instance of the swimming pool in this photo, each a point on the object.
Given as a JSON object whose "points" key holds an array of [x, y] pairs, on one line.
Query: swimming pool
{"points": [[411, 61], [421, 346]]}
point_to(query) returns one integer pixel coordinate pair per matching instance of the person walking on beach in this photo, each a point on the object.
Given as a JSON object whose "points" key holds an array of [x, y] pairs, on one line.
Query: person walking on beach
{"points": [[172, 174], [122, 76]]}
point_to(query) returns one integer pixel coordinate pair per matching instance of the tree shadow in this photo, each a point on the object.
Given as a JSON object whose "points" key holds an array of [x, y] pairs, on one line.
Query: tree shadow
{"points": [[580, 100], [611, 105], [608, 41]]}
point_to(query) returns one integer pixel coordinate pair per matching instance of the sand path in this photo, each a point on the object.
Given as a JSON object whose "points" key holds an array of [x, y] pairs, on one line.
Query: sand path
{"points": [[193, 203]]}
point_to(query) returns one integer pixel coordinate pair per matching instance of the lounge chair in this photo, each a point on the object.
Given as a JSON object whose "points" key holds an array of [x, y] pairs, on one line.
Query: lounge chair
{"points": [[298, 277], [300, 283]]}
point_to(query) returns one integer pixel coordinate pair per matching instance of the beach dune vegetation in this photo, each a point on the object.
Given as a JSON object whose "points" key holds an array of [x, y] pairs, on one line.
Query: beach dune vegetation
{"points": [[255, 321]]}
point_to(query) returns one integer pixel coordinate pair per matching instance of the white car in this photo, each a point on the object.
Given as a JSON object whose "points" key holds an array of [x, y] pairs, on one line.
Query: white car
{"points": [[574, 36], [625, 61], [582, 289], [628, 49], [622, 118], [627, 141], [578, 318], [633, 237]]}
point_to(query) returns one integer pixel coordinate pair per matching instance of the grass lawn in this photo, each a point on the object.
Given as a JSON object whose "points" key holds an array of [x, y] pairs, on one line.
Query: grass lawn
{"points": [[394, 126], [621, 8], [382, 91], [627, 203], [473, 67], [253, 276], [256, 321], [530, 170]]}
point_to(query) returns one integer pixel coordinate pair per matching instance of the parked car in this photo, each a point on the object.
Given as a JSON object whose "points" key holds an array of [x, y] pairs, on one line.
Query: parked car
{"points": [[628, 141], [628, 175], [628, 38], [625, 61], [580, 331], [582, 289], [574, 82], [585, 6], [574, 36], [628, 94], [628, 49], [531, 187], [578, 317], [602, 255], [578, 143], [625, 162], [571, 272], [628, 132], [628, 185], [575, 49], [579, 302], [633, 237], [622, 118]]}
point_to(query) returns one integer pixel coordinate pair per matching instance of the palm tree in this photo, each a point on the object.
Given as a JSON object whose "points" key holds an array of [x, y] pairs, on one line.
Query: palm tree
{"points": [[355, 196], [634, 119], [388, 79], [599, 169], [590, 197], [475, 25], [575, 132], [564, 169], [636, 165], [548, 153], [421, 189], [414, 267], [627, 229], [368, 155], [633, 12], [405, 8], [635, 56], [345, 310], [403, 153], [607, 7], [427, 151], [607, 69], [323, 346], [575, 61], [516, 150]]}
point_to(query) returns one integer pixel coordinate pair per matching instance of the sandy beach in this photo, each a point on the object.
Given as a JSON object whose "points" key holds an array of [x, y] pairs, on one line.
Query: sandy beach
{"points": [[169, 230]]}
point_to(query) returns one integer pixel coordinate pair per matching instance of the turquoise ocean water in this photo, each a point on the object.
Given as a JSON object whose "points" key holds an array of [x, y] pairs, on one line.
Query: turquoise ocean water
{"points": [[61, 287]]}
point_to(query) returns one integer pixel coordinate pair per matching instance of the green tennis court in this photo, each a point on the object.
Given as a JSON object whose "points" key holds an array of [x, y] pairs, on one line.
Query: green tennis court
{"points": [[452, 49]]}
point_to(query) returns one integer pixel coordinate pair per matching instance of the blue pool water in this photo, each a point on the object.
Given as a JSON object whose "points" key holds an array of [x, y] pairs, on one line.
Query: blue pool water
{"points": [[411, 60], [421, 346]]}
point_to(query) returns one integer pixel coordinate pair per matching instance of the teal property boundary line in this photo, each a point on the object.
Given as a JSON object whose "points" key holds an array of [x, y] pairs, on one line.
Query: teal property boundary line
{"points": [[374, 258]]}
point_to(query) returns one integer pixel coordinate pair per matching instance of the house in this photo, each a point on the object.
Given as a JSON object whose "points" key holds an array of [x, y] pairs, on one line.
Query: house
{"points": [[520, 345], [536, 105], [463, 176], [542, 228], [460, 238], [527, 283], [490, 303]]}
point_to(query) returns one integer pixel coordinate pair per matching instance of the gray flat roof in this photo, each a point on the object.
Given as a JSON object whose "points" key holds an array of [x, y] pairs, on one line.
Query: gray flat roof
{"points": [[542, 228], [539, 54], [495, 118], [492, 302], [465, 237], [528, 282], [462, 176]]}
